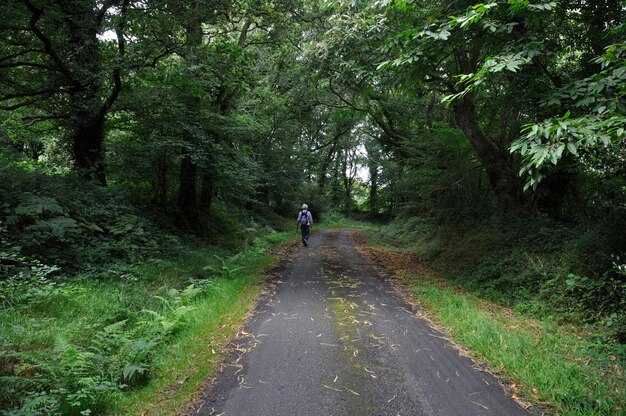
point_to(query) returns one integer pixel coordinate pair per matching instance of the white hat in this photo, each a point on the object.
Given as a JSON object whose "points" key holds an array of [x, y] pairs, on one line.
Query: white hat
{"points": [[305, 206]]}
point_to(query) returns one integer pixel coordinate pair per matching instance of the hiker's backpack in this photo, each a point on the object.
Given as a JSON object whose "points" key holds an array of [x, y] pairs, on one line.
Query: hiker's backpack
{"points": [[304, 218]]}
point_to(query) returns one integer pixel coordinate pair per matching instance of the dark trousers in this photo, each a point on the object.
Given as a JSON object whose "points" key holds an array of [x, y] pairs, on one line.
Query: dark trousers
{"points": [[305, 232]]}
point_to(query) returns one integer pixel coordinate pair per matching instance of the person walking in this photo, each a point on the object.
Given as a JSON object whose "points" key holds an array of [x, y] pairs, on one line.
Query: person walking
{"points": [[305, 221]]}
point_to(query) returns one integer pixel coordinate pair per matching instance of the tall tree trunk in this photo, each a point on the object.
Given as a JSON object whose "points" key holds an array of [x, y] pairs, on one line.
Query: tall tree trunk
{"points": [[502, 176], [373, 165], [373, 197], [87, 130], [347, 182], [88, 146], [496, 162], [187, 191], [206, 192]]}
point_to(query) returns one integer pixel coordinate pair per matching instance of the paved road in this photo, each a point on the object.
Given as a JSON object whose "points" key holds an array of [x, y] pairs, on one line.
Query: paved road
{"points": [[334, 339]]}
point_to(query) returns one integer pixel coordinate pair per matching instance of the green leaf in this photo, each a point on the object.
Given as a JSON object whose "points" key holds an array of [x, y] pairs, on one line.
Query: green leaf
{"points": [[383, 65], [572, 148], [559, 151], [553, 156]]}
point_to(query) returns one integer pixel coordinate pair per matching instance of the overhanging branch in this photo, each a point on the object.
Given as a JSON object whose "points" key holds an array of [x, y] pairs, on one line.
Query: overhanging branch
{"points": [[26, 94], [340, 96], [20, 53], [117, 71], [30, 121], [47, 43], [17, 105], [19, 64]]}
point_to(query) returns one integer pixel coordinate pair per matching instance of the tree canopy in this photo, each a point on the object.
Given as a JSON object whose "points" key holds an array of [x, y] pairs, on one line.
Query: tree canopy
{"points": [[203, 91]]}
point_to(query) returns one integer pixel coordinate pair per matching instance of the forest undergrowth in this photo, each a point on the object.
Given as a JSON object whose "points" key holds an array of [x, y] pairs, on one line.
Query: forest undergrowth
{"points": [[542, 268], [107, 310]]}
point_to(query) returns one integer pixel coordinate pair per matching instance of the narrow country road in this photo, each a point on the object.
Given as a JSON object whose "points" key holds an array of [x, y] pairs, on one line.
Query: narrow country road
{"points": [[334, 339]]}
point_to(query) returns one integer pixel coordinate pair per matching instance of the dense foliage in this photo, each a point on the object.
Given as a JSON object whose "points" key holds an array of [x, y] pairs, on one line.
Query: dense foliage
{"points": [[493, 133]]}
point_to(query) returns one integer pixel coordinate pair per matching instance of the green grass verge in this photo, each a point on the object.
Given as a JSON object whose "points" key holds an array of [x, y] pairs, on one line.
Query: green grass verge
{"points": [[141, 341], [338, 220], [182, 366], [549, 364]]}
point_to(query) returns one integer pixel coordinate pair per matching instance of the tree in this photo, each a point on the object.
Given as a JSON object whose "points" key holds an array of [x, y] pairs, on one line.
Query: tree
{"points": [[53, 62], [492, 63]]}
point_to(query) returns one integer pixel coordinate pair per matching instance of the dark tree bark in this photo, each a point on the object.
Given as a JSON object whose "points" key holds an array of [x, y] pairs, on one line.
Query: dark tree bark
{"points": [[191, 202], [88, 121], [188, 203], [63, 45], [500, 171], [88, 147], [347, 180], [188, 191], [552, 193], [373, 197], [160, 168], [206, 192]]}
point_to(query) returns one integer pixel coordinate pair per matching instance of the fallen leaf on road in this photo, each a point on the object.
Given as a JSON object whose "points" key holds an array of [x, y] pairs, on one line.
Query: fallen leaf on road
{"points": [[481, 405]]}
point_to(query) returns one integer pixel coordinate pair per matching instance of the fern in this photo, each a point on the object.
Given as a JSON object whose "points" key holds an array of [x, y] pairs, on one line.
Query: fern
{"points": [[134, 371], [37, 206], [169, 322], [228, 266], [176, 308], [79, 377], [36, 404], [59, 227], [189, 293]]}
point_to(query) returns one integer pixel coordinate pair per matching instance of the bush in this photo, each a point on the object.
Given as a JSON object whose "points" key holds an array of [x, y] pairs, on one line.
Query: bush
{"points": [[536, 265], [67, 222]]}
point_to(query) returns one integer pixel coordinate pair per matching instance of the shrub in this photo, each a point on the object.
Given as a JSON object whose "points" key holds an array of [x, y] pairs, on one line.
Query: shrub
{"points": [[67, 222], [75, 370], [557, 271]]}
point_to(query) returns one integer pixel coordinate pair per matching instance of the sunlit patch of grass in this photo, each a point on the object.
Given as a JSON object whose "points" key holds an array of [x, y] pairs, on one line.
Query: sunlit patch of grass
{"points": [[338, 220]]}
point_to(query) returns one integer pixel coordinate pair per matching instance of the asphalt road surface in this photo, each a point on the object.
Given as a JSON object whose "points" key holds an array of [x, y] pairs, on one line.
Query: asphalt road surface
{"points": [[334, 339]]}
